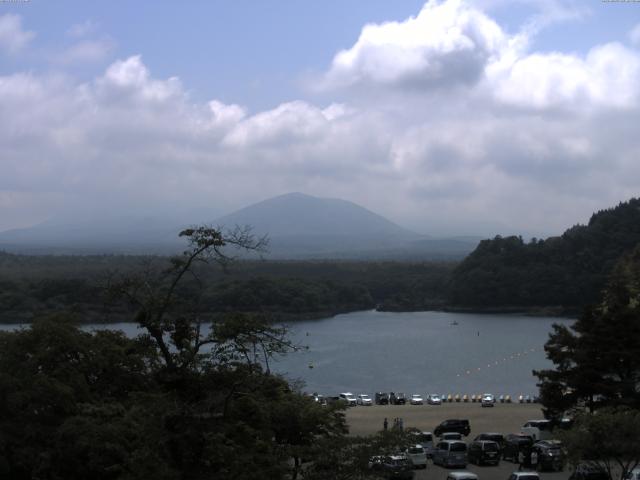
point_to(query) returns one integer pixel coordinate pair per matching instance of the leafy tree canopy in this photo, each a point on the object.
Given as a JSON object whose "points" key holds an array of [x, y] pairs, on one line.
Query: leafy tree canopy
{"points": [[597, 360]]}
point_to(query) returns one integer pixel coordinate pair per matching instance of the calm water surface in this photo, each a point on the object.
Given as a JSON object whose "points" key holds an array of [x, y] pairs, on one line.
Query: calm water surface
{"points": [[416, 352], [420, 352]]}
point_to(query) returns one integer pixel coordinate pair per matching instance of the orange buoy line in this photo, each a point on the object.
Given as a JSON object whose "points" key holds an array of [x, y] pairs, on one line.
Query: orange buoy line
{"points": [[514, 356]]}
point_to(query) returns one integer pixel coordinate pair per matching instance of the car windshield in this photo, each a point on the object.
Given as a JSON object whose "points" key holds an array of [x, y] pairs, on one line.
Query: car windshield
{"points": [[458, 447], [426, 437], [491, 447], [528, 477], [364, 397], [416, 450]]}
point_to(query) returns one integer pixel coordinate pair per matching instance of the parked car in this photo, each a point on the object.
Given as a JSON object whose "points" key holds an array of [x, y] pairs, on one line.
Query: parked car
{"points": [[484, 452], [434, 399], [538, 429], [551, 455], [450, 453], [524, 476], [349, 398], [462, 475], [451, 436], [513, 444], [494, 437], [397, 398], [488, 400], [416, 399], [392, 466], [364, 399], [381, 398], [417, 455], [426, 440], [453, 425], [593, 471]]}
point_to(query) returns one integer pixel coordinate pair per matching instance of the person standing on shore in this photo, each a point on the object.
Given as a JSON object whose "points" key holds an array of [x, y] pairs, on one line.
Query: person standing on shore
{"points": [[385, 424]]}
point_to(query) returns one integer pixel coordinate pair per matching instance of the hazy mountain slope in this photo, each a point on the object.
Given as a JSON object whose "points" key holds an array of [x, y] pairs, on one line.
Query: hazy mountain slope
{"points": [[302, 226], [127, 235], [299, 227], [296, 214]]}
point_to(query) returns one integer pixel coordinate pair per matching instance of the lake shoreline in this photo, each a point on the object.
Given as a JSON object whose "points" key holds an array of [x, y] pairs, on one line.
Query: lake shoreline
{"points": [[93, 317]]}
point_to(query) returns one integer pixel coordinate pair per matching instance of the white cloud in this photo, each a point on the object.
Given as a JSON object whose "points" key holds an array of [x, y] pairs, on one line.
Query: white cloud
{"points": [[86, 51], [12, 37], [608, 76], [537, 140], [446, 43]]}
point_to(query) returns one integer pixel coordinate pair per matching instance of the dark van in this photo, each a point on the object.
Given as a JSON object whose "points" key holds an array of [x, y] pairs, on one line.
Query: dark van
{"points": [[453, 425], [382, 398], [484, 452]]}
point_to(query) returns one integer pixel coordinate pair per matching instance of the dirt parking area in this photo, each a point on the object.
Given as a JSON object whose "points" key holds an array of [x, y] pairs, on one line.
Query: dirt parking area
{"points": [[502, 418]]}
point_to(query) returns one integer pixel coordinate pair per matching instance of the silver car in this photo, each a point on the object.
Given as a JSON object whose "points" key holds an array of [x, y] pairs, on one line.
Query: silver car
{"points": [[450, 453]]}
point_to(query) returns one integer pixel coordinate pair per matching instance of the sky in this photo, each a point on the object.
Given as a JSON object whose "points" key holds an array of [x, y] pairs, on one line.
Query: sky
{"points": [[448, 117]]}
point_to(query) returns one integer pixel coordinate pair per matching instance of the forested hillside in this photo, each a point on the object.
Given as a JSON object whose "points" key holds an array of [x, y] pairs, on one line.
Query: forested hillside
{"points": [[567, 271], [31, 286]]}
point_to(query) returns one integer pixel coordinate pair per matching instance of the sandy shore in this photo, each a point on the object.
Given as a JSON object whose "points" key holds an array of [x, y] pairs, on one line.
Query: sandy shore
{"points": [[502, 418]]}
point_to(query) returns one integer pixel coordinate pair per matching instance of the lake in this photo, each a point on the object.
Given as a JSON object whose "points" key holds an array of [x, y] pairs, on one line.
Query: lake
{"points": [[420, 352], [414, 352]]}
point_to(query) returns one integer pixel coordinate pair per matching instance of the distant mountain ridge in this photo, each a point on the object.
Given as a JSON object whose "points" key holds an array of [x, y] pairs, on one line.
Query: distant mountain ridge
{"points": [[297, 214], [299, 226]]}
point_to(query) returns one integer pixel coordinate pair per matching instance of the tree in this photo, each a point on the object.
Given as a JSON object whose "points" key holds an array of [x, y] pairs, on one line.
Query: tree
{"points": [[166, 304], [597, 360], [176, 402], [610, 439]]}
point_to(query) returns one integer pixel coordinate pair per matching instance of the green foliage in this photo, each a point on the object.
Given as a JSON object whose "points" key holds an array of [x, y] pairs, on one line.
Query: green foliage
{"points": [[567, 271], [171, 403], [609, 439], [597, 360], [35, 286]]}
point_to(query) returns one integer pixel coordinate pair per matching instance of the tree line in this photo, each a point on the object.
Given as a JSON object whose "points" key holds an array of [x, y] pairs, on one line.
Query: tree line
{"points": [[568, 271]]}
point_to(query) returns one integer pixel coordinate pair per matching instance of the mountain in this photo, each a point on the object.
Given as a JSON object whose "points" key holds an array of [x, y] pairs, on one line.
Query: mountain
{"points": [[299, 226], [568, 271]]}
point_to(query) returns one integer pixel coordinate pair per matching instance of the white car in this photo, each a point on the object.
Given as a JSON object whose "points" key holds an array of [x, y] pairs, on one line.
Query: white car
{"points": [[434, 399], [524, 476], [426, 440], [364, 399], [462, 475], [488, 400], [417, 455], [416, 399], [537, 429], [349, 398]]}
